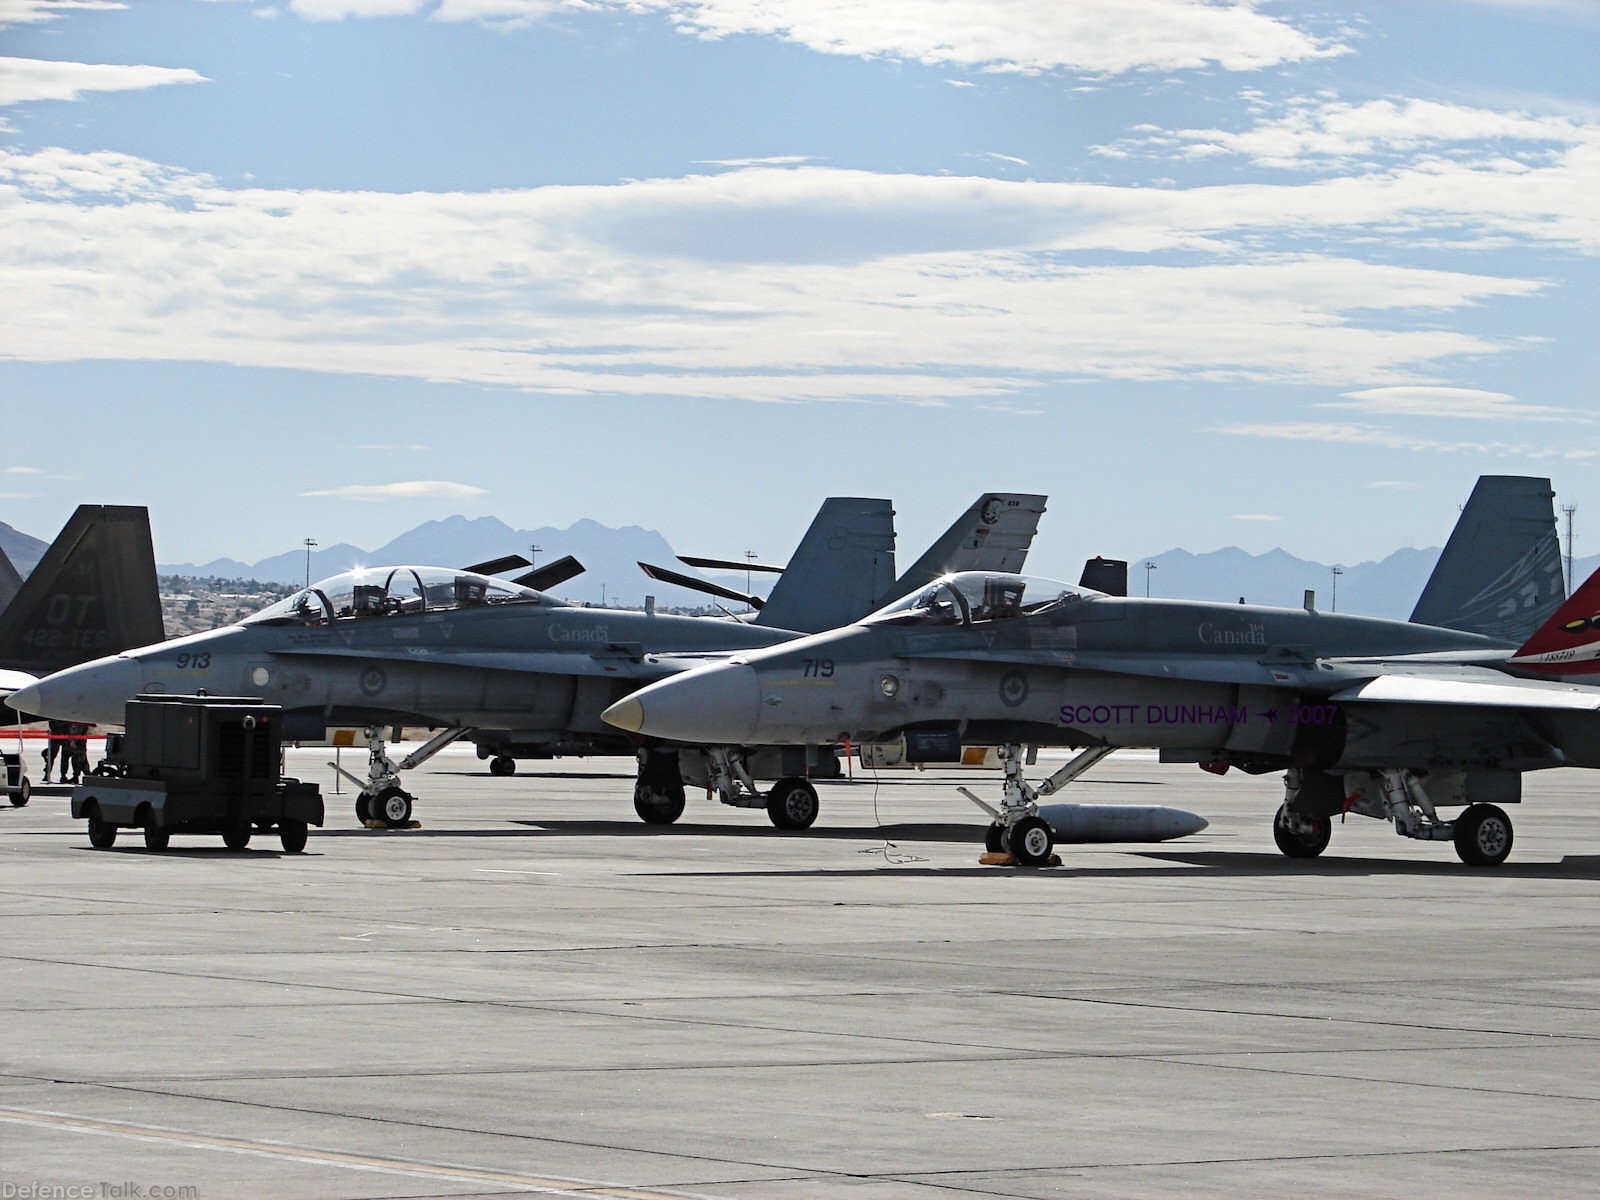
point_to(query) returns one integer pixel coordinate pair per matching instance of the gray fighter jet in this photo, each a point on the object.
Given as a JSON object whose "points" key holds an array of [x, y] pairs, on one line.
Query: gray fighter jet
{"points": [[1383, 718], [460, 651]]}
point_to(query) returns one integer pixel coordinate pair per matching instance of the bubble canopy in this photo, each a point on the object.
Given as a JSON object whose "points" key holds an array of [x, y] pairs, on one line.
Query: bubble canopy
{"points": [[975, 596], [374, 592]]}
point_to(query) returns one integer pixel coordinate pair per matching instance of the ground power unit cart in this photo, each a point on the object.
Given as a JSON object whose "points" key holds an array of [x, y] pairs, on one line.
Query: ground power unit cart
{"points": [[198, 764]]}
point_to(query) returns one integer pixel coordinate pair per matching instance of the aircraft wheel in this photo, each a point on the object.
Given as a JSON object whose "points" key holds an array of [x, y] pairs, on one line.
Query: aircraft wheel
{"points": [[1031, 842], [363, 808], [658, 805], [102, 833], [393, 807], [156, 838], [293, 835], [1296, 844], [24, 793], [1483, 835], [237, 837], [502, 764], [792, 804], [994, 838]]}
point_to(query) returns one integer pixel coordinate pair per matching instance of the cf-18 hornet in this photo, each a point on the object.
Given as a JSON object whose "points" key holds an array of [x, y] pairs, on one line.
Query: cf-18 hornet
{"points": [[1493, 677], [460, 651]]}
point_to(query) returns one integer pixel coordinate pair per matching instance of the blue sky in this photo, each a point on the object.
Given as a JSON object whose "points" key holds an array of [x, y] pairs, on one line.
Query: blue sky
{"points": [[1227, 273]]}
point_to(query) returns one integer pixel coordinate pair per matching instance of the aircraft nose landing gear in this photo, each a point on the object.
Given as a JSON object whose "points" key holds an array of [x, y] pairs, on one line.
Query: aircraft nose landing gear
{"points": [[382, 803]]}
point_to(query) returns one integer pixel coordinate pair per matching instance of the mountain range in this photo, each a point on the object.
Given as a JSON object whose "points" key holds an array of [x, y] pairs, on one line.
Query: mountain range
{"points": [[1386, 587]]}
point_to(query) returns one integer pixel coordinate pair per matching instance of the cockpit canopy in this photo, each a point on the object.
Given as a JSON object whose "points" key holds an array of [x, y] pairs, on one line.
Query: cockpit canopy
{"points": [[975, 596], [389, 591]]}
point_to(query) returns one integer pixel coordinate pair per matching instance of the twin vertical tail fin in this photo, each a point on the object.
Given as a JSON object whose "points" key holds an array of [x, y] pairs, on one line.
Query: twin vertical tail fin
{"points": [[93, 593], [1569, 642], [994, 534], [841, 567], [1500, 572]]}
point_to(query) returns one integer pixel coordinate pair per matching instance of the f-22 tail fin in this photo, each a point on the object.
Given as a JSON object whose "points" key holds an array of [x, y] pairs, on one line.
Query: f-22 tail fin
{"points": [[1500, 572], [93, 593]]}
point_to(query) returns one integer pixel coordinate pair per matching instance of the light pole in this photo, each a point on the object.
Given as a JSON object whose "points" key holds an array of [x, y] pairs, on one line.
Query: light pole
{"points": [[310, 543], [1148, 567], [749, 558], [533, 552], [1334, 606]]}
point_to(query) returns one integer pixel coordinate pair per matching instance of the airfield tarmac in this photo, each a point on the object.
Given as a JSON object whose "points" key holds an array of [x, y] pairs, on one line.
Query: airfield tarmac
{"points": [[536, 993]]}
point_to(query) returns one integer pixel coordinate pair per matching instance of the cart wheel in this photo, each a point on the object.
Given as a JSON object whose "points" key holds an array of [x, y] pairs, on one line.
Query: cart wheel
{"points": [[238, 837], [102, 834], [156, 839], [24, 793], [293, 835]]}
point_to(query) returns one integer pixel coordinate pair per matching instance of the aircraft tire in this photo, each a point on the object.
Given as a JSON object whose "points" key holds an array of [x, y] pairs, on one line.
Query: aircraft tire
{"points": [[24, 793], [502, 764], [237, 837], [1301, 845], [363, 808], [1031, 842], [393, 807], [102, 834], [1483, 835], [792, 804], [658, 805], [994, 838], [293, 835], [156, 838]]}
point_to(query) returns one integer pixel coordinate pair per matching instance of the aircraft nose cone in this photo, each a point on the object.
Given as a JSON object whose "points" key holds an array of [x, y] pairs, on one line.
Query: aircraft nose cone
{"points": [[93, 694], [712, 705]]}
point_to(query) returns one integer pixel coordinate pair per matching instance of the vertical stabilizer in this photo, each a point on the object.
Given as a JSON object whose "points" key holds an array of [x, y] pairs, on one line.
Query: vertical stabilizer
{"points": [[1500, 572], [93, 593], [841, 567], [995, 534], [10, 581]]}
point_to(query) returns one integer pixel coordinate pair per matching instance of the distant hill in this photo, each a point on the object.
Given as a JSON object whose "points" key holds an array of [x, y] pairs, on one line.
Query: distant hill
{"points": [[1386, 587], [23, 551], [611, 557]]}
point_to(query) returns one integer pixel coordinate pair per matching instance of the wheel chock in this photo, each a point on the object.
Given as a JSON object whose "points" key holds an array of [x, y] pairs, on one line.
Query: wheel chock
{"points": [[1002, 859]]}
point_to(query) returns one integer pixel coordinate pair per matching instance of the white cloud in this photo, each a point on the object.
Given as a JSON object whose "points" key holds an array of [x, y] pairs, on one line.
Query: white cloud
{"points": [[418, 489], [1462, 403], [1394, 439], [1097, 37], [763, 284], [23, 79], [1256, 517], [21, 471], [34, 12]]}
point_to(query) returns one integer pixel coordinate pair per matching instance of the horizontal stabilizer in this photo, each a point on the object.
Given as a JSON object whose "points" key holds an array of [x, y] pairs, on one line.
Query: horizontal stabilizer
{"points": [[542, 579], [663, 575], [495, 565], [724, 564]]}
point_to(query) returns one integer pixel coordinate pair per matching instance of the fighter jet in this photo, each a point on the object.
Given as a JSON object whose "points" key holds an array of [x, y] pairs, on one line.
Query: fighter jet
{"points": [[93, 592], [1382, 718], [460, 651]]}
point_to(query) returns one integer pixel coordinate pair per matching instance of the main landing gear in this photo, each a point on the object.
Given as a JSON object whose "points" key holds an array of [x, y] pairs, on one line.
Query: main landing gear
{"points": [[1018, 829], [382, 799], [1482, 834], [791, 803]]}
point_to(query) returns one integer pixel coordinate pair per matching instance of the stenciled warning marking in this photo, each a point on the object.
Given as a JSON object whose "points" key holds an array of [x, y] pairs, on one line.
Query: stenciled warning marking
{"points": [[541, 1185]]}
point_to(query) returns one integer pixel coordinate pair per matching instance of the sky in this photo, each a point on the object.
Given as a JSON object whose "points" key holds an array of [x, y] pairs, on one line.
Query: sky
{"points": [[1238, 272]]}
